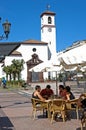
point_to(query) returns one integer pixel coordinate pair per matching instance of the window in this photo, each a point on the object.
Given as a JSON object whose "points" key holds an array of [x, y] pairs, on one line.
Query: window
{"points": [[49, 20], [34, 49]]}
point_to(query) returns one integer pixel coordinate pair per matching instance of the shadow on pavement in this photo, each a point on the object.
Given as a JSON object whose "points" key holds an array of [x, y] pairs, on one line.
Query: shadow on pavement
{"points": [[80, 128], [5, 124], [16, 103]]}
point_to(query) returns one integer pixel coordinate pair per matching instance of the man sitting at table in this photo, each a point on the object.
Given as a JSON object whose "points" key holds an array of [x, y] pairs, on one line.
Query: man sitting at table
{"points": [[36, 94], [47, 92]]}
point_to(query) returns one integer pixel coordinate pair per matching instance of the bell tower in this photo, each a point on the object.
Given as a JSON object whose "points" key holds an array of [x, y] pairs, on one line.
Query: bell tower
{"points": [[48, 31]]}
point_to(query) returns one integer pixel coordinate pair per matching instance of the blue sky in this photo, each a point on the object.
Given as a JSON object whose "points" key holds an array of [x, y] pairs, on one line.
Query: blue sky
{"points": [[24, 16]]}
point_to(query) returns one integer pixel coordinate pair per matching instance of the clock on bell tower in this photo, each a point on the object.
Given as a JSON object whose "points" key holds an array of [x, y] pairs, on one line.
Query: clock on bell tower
{"points": [[48, 31]]}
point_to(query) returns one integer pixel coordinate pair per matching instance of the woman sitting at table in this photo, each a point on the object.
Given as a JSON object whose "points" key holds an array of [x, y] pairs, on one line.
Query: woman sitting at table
{"points": [[69, 94], [62, 92], [36, 94]]}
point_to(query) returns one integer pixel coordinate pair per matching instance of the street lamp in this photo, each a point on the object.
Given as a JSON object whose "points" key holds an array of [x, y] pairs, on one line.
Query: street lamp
{"points": [[6, 26]]}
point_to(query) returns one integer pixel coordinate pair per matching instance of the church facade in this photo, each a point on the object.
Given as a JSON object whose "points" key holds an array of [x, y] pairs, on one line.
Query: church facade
{"points": [[34, 52]]}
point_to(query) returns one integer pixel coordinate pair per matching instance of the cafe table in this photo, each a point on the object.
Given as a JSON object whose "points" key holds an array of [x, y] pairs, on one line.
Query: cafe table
{"points": [[68, 106]]}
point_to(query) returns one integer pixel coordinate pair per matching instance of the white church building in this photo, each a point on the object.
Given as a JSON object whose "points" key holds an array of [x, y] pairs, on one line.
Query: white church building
{"points": [[34, 52]]}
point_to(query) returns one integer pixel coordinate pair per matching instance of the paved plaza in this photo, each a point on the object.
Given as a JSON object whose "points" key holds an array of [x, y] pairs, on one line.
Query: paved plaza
{"points": [[16, 110]]}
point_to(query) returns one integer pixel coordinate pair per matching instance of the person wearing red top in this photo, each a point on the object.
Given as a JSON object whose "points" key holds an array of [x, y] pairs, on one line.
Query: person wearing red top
{"points": [[47, 92]]}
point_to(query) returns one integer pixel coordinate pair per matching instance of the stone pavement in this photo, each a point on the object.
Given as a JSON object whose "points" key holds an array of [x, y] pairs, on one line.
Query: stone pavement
{"points": [[15, 114]]}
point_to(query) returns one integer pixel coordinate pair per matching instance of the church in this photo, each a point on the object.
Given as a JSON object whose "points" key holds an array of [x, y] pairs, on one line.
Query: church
{"points": [[34, 52]]}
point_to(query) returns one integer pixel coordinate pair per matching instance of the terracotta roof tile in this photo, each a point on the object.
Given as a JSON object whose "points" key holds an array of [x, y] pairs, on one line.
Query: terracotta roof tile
{"points": [[33, 42], [48, 12], [15, 53]]}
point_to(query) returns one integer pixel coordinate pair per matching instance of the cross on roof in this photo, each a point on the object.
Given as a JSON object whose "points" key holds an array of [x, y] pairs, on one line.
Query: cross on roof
{"points": [[48, 7]]}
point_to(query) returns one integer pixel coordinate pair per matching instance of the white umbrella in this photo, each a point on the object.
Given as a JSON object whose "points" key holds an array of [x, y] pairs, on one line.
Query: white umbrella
{"points": [[83, 69], [41, 66], [52, 69], [72, 66], [47, 66]]}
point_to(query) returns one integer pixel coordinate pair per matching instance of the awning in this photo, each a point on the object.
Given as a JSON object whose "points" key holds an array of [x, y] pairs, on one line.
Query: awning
{"points": [[74, 56]]}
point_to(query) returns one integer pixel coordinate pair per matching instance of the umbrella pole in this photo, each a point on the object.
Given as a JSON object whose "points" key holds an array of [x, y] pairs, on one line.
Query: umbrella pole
{"points": [[56, 84]]}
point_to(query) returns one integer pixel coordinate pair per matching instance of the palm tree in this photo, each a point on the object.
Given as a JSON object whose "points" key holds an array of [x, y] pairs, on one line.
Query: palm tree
{"points": [[8, 71], [14, 70], [17, 67], [5, 69]]}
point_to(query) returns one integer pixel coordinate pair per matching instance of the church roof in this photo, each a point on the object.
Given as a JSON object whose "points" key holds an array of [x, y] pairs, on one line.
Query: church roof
{"points": [[17, 53], [7, 48], [48, 13], [33, 42]]}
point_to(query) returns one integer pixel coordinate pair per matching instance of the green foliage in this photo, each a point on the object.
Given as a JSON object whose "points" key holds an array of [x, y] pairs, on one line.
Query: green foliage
{"points": [[60, 78], [14, 70]]}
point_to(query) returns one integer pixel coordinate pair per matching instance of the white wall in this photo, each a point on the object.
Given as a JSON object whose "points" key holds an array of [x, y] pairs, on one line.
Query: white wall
{"points": [[26, 51]]}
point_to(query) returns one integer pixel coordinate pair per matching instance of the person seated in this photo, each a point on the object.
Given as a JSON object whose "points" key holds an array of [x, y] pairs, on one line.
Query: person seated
{"points": [[82, 106], [36, 94], [82, 101], [69, 94], [62, 92], [47, 92]]}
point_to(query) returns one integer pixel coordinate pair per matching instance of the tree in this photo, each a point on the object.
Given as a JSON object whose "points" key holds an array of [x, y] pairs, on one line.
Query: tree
{"points": [[17, 67], [5, 69], [14, 70], [8, 71]]}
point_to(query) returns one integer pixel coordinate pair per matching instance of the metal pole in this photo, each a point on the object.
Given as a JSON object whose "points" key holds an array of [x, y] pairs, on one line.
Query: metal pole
{"points": [[56, 84]]}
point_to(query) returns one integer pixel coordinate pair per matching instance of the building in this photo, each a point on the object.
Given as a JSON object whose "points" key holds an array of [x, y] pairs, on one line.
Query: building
{"points": [[34, 52]]}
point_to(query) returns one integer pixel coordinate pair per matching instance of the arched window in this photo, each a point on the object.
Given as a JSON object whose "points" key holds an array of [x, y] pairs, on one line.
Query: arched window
{"points": [[49, 20]]}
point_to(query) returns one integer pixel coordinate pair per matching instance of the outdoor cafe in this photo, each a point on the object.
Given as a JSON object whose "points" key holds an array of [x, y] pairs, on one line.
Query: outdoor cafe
{"points": [[57, 107]]}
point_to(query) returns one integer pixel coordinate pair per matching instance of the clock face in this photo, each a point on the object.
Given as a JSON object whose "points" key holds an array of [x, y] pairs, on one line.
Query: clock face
{"points": [[50, 29]]}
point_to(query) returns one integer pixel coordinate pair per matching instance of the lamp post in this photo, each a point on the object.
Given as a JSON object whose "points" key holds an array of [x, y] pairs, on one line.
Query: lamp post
{"points": [[6, 26]]}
